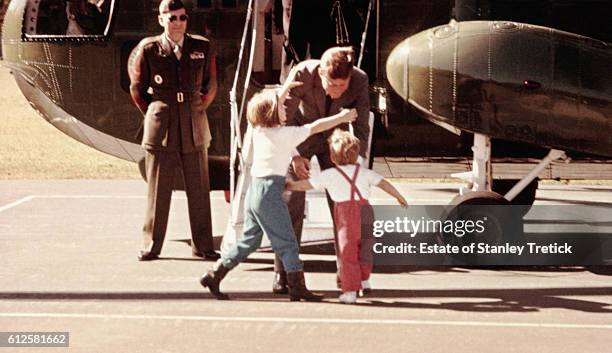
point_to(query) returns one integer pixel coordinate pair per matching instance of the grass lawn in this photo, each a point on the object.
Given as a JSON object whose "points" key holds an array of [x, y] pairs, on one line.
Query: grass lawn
{"points": [[31, 148]]}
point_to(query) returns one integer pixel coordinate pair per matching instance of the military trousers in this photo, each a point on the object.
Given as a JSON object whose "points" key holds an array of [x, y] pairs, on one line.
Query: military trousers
{"points": [[161, 167]]}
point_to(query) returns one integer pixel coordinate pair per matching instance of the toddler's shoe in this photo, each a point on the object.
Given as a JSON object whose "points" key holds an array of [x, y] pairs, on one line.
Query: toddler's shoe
{"points": [[366, 288], [348, 298]]}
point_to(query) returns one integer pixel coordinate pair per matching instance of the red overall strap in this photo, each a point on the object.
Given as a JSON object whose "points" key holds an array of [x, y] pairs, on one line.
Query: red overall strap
{"points": [[354, 188]]}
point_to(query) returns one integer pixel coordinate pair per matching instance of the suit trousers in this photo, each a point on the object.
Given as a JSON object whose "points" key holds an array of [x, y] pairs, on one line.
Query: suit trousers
{"points": [[161, 167], [296, 202]]}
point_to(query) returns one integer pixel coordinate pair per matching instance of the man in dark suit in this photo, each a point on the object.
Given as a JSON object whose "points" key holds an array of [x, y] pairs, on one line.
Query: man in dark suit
{"points": [[329, 85], [172, 85]]}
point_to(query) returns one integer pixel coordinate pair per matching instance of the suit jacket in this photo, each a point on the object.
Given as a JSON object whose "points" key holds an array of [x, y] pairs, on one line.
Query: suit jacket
{"points": [[158, 83], [306, 104]]}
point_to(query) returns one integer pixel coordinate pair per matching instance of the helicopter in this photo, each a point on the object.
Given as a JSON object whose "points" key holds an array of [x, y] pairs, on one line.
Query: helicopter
{"points": [[511, 81], [530, 75]]}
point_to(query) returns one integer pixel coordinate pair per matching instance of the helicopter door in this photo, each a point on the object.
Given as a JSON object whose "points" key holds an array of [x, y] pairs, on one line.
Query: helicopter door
{"points": [[268, 44]]}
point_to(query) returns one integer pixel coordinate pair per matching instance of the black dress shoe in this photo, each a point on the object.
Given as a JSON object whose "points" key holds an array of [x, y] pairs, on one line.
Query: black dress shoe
{"points": [[209, 255], [147, 256]]}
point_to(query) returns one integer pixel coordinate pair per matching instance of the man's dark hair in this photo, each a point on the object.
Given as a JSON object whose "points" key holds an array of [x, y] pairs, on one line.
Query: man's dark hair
{"points": [[170, 5], [337, 62]]}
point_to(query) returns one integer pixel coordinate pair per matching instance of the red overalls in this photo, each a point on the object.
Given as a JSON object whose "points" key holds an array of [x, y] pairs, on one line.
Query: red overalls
{"points": [[354, 245]]}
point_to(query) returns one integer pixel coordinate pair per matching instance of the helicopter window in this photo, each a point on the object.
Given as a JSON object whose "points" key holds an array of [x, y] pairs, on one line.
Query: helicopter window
{"points": [[204, 3], [67, 19]]}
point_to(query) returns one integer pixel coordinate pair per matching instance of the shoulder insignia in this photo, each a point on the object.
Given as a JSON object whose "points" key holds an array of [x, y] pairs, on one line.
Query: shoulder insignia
{"points": [[197, 37]]}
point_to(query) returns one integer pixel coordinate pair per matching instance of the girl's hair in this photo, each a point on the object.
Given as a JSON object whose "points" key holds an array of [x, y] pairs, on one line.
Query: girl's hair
{"points": [[262, 109], [337, 62], [343, 147]]}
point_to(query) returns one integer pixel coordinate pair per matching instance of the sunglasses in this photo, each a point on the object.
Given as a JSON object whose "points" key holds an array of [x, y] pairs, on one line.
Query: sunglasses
{"points": [[181, 18]]}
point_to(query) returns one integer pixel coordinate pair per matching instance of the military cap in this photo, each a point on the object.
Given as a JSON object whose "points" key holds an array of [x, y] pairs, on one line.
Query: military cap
{"points": [[170, 5]]}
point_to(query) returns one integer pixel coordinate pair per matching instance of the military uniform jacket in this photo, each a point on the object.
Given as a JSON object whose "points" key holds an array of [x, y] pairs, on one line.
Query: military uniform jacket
{"points": [[168, 92], [306, 104]]}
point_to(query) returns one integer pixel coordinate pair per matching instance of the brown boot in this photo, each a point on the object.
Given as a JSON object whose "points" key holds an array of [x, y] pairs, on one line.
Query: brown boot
{"points": [[298, 290], [279, 285], [212, 279]]}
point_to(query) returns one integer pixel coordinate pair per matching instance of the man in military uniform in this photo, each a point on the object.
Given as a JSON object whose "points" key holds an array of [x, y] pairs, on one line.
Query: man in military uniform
{"points": [[172, 86]]}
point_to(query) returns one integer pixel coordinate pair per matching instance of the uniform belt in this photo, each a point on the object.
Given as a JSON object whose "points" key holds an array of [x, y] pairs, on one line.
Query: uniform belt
{"points": [[179, 96]]}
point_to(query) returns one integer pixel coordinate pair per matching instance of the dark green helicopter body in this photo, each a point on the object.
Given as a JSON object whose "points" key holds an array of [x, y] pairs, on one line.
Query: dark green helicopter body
{"points": [[509, 74]]}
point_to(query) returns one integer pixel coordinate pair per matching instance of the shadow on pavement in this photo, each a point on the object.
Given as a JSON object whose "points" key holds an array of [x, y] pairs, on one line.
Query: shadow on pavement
{"points": [[487, 300]]}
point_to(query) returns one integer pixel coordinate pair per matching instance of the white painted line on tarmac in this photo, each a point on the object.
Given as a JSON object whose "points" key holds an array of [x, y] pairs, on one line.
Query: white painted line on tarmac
{"points": [[31, 197], [307, 320], [16, 203], [112, 197], [375, 201], [90, 197]]}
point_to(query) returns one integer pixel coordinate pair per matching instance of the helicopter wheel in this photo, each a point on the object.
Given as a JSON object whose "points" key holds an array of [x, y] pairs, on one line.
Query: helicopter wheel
{"points": [[499, 226]]}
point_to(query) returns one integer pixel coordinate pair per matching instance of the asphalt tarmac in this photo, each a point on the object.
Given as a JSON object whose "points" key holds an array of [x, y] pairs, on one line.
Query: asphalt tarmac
{"points": [[68, 252]]}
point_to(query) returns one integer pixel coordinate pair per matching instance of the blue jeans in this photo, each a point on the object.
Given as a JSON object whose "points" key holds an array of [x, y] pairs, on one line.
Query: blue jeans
{"points": [[266, 212]]}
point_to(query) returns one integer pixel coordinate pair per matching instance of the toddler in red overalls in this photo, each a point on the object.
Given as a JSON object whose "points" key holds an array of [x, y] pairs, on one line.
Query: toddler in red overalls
{"points": [[348, 185]]}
